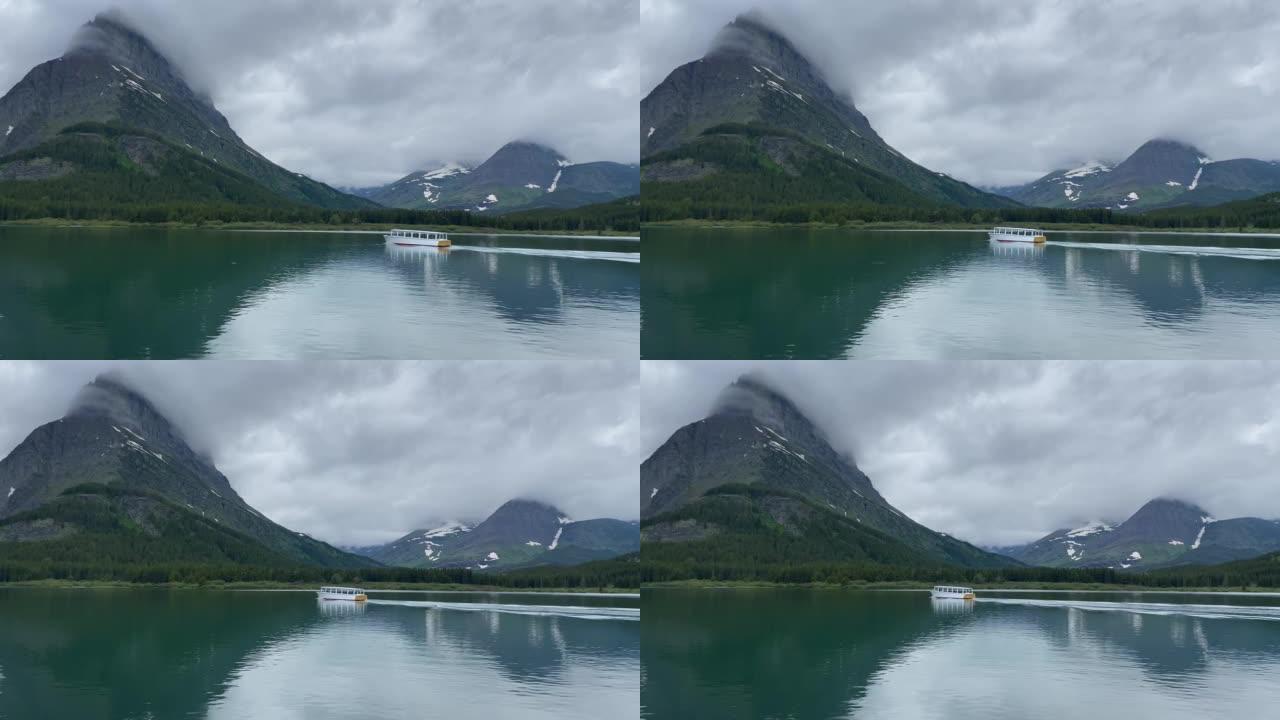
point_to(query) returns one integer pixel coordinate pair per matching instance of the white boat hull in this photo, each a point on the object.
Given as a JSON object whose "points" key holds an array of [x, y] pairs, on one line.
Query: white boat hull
{"points": [[416, 242], [944, 595], [361, 597], [1002, 238]]}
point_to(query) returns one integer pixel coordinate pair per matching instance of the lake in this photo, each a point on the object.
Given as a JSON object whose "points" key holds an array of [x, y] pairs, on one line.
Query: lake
{"points": [[117, 653], [824, 294], [68, 293], [801, 653]]}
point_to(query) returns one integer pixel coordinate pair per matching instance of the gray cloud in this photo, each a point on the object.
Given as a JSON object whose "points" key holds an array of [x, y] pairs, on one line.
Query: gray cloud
{"points": [[995, 92], [353, 92], [1003, 452], [363, 452]]}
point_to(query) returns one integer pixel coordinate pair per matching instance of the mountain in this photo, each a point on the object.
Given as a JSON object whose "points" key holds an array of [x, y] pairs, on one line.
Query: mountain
{"points": [[519, 176], [1162, 533], [1160, 174], [114, 75], [756, 470], [520, 533], [114, 472], [756, 115]]}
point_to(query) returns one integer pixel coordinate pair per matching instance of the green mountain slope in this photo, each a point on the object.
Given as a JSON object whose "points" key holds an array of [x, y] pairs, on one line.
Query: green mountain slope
{"points": [[752, 526], [93, 164], [100, 524]]}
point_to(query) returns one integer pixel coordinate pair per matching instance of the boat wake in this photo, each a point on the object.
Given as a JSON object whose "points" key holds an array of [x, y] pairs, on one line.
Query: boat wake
{"points": [[1208, 612], [574, 611], [538, 252], [1228, 252]]}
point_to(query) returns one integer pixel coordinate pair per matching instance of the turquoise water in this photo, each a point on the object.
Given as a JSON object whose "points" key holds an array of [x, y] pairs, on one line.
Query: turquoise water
{"points": [[140, 293], [228, 654]]}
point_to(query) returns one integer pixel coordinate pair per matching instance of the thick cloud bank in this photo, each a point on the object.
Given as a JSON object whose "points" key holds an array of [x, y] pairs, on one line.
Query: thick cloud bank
{"points": [[1003, 452], [997, 92]]}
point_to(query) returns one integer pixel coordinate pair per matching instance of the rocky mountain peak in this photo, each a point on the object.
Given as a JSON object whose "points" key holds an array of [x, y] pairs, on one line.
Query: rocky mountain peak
{"points": [[112, 397], [754, 396], [750, 36], [112, 38], [525, 507]]}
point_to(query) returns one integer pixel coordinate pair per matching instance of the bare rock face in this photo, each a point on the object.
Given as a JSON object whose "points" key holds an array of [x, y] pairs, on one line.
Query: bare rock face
{"points": [[35, 169]]}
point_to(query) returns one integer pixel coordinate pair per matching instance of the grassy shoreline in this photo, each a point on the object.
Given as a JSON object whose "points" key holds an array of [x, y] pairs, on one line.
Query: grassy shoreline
{"points": [[958, 227], [912, 585], [270, 585], [316, 227]]}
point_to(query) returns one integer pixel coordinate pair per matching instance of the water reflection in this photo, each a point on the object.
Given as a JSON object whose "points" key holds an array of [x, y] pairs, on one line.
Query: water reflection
{"points": [[70, 293], [1018, 250], [951, 606], [830, 654], [862, 294], [130, 654]]}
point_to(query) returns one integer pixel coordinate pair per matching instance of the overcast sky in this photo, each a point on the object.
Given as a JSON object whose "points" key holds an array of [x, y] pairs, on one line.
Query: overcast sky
{"points": [[1001, 91], [360, 453], [361, 92], [1005, 452]]}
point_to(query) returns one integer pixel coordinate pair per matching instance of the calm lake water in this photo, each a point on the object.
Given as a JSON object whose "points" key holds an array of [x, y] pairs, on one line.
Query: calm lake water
{"points": [[820, 294], [197, 654], [848, 654], [135, 293]]}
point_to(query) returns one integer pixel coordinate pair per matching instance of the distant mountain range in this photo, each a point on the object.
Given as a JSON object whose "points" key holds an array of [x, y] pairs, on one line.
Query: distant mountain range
{"points": [[1162, 533], [1160, 174], [520, 176], [520, 533], [114, 482], [50, 130], [754, 121], [756, 482]]}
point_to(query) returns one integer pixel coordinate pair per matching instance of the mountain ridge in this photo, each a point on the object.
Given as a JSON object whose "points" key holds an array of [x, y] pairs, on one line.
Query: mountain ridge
{"points": [[521, 175], [753, 76], [1164, 532], [756, 464], [114, 438], [1162, 173], [113, 74], [520, 533]]}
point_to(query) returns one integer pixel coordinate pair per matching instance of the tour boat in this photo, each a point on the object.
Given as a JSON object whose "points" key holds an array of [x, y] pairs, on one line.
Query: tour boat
{"points": [[343, 593], [950, 592], [1024, 235], [423, 238]]}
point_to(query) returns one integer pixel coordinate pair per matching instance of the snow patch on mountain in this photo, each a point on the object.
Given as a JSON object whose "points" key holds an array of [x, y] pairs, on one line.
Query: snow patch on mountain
{"points": [[449, 528], [1088, 169], [9, 131], [1135, 555], [651, 131], [556, 540], [1195, 183], [1092, 528], [491, 556]]}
